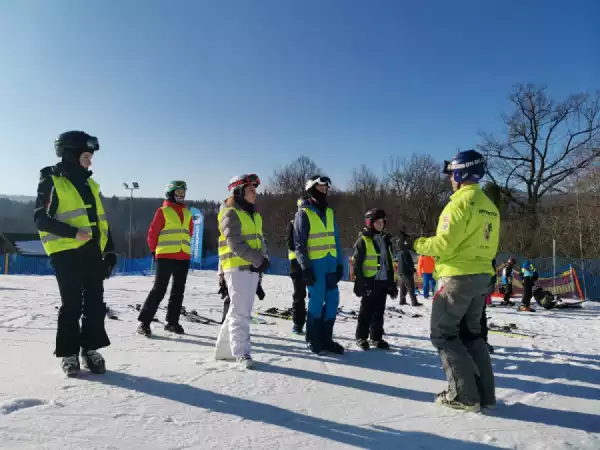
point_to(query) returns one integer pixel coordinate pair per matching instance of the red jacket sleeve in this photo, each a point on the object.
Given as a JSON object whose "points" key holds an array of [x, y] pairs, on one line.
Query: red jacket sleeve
{"points": [[191, 228], [156, 227]]}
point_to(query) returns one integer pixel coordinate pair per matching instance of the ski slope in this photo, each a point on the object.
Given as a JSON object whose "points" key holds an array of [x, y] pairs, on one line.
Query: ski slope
{"points": [[168, 392]]}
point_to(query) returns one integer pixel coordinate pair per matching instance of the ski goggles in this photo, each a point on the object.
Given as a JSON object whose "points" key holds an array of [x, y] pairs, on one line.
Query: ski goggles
{"points": [[323, 181], [176, 185], [244, 180], [92, 144]]}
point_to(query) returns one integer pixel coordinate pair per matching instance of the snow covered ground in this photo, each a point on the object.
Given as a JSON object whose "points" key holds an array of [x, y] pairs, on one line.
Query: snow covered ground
{"points": [[169, 393]]}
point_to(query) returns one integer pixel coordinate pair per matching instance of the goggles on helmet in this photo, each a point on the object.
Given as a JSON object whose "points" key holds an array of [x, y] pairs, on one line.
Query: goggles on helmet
{"points": [[323, 181], [243, 180], [176, 185], [92, 144]]}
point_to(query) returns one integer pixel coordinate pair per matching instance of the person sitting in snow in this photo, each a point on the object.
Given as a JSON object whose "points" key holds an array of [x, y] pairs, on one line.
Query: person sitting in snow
{"points": [[374, 279]]}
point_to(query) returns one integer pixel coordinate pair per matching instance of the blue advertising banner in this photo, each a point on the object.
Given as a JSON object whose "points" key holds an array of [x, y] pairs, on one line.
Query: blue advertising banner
{"points": [[196, 244]]}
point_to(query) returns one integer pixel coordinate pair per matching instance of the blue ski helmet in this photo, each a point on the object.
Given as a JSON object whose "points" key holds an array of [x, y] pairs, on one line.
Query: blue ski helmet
{"points": [[467, 166]]}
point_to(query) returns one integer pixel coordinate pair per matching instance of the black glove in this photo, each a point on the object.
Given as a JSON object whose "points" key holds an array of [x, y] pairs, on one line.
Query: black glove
{"points": [[359, 287], [153, 256], [260, 291], [309, 277], [110, 261], [393, 291], [264, 266], [339, 271], [223, 288]]}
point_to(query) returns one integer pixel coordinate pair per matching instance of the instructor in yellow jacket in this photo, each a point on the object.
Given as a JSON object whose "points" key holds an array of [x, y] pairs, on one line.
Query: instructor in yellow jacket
{"points": [[466, 241]]}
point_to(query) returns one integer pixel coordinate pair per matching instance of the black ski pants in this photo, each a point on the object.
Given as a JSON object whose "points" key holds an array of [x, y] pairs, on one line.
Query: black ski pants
{"points": [[298, 300], [80, 276], [407, 286], [165, 268], [370, 315], [527, 290], [508, 289]]}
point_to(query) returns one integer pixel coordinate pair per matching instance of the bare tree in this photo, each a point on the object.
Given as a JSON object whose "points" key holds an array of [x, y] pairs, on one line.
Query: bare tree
{"points": [[366, 184], [545, 145], [292, 178], [420, 188]]}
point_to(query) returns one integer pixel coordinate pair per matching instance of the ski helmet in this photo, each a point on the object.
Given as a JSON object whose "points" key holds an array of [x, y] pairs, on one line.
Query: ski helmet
{"points": [[373, 215], [237, 183], [175, 186], [467, 166], [316, 180], [75, 142]]}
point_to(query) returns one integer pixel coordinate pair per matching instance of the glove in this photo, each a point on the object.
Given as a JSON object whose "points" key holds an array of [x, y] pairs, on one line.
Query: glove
{"points": [[264, 266], [223, 288], [153, 256], [339, 270], [110, 261], [260, 291], [309, 277], [359, 288], [393, 291]]}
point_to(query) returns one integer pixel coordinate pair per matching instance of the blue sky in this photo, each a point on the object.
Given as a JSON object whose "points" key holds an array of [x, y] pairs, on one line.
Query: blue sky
{"points": [[203, 90]]}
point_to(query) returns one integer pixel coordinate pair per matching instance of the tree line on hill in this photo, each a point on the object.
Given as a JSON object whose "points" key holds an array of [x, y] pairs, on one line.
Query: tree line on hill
{"points": [[543, 173]]}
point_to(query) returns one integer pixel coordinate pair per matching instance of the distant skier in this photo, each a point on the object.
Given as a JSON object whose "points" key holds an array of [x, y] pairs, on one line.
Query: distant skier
{"points": [[507, 281], [169, 238], [243, 257], [319, 253], [530, 276], [466, 240], [374, 279], [406, 272], [75, 234], [299, 295], [425, 268]]}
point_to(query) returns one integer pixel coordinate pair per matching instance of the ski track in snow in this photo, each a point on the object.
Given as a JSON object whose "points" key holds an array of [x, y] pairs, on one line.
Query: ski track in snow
{"points": [[168, 392]]}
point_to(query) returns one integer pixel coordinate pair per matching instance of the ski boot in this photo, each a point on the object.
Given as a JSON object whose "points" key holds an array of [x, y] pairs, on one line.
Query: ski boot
{"points": [[507, 303], [174, 328], [524, 308], [70, 365], [245, 362], [335, 348], [144, 330], [313, 348], [441, 399], [381, 344], [363, 343], [93, 361], [299, 330], [416, 303]]}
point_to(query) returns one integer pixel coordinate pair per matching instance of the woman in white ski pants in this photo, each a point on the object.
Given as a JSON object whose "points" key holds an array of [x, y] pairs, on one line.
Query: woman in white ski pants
{"points": [[234, 336]]}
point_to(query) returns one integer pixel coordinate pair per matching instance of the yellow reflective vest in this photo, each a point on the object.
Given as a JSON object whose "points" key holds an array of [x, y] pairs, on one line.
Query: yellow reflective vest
{"points": [[175, 235], [467, 236], [252, 232], [321, 237], [73, 211], [371, 264]]}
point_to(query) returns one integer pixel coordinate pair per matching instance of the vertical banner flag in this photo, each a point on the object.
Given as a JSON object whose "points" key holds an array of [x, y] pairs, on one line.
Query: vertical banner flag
{"points": [[196, 243]]}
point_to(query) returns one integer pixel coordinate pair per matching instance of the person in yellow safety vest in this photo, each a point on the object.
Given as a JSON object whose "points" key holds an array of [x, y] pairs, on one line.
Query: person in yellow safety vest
{"points": [[169, 238], [466, 240], [75, 234], [374, 279], [299, 295], [319, 253], [242, 258]]}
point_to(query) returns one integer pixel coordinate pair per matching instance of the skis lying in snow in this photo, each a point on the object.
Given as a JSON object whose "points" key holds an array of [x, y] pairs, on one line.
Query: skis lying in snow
{"points": [[193, 316], [402, 313], [510, 329], [277, 312]]}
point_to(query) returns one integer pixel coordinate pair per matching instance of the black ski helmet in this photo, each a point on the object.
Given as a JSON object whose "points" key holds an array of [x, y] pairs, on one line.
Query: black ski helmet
{"points": [[76, 142], [374, 214]]}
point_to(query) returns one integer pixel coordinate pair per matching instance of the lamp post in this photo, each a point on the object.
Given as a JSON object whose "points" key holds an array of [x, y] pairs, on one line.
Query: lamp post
{"points": [[134, 186]]}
